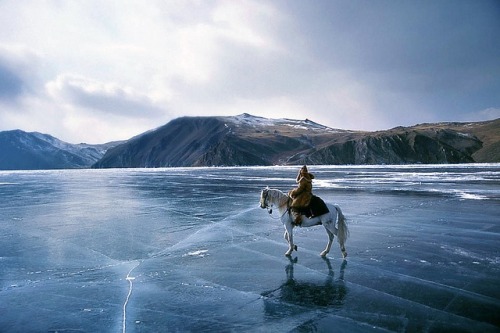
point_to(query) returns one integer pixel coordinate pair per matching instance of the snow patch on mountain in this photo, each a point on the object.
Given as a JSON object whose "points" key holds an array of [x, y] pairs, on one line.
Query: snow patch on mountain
{"points": [[246, 119]]}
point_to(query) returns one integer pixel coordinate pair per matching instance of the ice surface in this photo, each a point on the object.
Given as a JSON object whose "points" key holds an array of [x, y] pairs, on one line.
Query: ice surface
{"points": [[188, 249]]}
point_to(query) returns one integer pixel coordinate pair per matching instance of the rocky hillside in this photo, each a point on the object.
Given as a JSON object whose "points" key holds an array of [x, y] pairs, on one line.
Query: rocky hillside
{"points": [[250, 140], [20, 150]]}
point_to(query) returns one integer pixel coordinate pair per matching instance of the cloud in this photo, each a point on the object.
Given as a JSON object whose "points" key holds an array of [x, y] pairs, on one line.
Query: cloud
{"points": [[103, 97], [18, 72], [117, 68], [416, 62], [489, 113], [369, 67], [11, 84]]}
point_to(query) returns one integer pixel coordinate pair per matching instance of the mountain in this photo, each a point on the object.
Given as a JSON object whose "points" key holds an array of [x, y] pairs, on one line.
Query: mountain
{"points": [[250, 140], [30, 151], [203, 141]]}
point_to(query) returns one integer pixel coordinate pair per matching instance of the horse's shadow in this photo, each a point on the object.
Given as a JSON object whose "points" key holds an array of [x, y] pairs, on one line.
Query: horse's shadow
{"points": [[331, 292]]}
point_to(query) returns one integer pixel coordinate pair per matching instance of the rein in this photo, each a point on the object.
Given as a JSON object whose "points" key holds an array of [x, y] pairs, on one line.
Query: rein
{"points": [[270, 211]]}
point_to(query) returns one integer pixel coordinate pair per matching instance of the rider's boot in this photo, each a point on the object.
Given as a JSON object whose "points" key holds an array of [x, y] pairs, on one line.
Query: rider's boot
{"points": [[297, 218]]}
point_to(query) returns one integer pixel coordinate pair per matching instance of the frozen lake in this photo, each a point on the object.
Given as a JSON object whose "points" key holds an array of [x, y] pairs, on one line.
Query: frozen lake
{"points": [[187, 249]]}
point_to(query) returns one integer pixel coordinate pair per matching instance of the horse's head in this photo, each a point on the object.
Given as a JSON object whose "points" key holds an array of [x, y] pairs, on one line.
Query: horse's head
{"points": [[264, 195]]}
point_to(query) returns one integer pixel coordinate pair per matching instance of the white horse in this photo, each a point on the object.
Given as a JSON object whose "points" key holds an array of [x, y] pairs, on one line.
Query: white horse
{"points": [[333, 221]]}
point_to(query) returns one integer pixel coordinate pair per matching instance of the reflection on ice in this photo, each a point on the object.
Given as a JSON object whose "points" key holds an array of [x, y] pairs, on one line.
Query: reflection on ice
{"points": [[330, 292]]}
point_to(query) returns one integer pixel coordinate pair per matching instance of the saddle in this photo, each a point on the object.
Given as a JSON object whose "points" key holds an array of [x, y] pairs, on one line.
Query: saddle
{"points": [[316, 207]]}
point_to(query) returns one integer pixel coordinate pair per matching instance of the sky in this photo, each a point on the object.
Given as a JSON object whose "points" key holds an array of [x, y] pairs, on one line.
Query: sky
{"points": [[96, 71]]}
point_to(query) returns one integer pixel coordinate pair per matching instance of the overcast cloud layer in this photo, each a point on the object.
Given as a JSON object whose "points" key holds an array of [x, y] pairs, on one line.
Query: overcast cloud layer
{"points": [[96, 71]]}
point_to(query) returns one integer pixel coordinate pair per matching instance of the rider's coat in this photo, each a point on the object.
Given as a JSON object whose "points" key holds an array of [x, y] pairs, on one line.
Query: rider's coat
{"points": [[303, 193]]}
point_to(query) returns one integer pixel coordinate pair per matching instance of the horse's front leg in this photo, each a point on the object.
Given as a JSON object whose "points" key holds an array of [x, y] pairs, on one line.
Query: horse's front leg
{"points": [[289, 238]]}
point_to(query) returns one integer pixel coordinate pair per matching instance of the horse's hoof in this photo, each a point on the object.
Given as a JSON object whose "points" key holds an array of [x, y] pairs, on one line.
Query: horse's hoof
{"points": [[344, 254], [295, 247], [323, 254], [288, 254]]}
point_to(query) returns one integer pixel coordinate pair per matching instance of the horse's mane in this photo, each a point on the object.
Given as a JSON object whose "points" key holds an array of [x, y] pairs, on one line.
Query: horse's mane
{"points": [[279, 196]]}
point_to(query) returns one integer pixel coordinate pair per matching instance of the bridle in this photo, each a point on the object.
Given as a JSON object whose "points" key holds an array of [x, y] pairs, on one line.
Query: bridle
{"points": [[265, 192], [270, 208]]}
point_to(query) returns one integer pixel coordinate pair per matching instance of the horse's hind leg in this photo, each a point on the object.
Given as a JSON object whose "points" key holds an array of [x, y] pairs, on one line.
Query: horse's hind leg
{"points": [[330, 241], [342, 247], [344, 252]]}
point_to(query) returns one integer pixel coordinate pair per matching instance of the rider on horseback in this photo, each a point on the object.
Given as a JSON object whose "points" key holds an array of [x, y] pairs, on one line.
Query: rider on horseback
{"points": [[301, 196]]}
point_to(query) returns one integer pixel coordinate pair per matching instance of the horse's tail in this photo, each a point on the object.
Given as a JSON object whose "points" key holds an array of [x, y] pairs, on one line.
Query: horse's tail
{"points": [[343, 231]]}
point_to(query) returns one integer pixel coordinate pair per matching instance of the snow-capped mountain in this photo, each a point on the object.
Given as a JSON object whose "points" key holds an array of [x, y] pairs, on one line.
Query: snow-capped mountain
{"points": [[206, 141], [20, 150], [250, 140]]}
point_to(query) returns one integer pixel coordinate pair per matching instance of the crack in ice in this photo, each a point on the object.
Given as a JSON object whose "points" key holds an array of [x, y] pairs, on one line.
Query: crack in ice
{"points": [[130, 287]]}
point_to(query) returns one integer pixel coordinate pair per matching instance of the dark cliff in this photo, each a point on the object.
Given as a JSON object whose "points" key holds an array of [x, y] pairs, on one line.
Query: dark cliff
{"points": [[405, 147]]}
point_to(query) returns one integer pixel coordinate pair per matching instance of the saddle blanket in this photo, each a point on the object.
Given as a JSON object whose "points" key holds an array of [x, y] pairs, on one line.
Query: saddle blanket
{"points": [[317, 207]]}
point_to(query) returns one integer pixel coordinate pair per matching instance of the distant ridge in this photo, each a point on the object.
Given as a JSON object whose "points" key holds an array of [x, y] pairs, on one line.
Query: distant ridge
{"points": [[21, 150], [249, 140], [245, 140]]}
